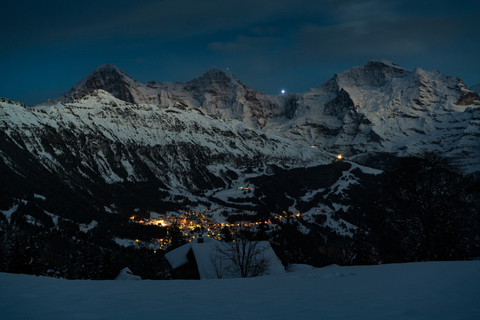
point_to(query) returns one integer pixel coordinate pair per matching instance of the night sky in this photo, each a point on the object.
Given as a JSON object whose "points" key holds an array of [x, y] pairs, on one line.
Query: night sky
{"points": [[48, 46]]}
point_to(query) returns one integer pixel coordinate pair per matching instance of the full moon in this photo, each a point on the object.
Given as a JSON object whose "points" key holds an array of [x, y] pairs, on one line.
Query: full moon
{"points": [[283, 91]]}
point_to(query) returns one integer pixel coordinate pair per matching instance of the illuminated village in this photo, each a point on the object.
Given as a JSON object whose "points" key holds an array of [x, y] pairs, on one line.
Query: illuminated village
{"points": [[203, 223]]}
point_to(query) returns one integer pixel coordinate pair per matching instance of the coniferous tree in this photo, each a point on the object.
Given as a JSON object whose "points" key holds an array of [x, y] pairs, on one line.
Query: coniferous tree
{"points": [[362, 250], [428, 207], [19, 259]]}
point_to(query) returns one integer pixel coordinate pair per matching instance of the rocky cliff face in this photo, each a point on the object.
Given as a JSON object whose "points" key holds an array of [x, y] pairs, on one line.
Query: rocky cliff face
{"points": [[106, 77]]}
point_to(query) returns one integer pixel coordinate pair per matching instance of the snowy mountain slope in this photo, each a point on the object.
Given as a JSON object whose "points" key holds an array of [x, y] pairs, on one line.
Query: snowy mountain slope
{"points": [[432, 290], [180, 147]]}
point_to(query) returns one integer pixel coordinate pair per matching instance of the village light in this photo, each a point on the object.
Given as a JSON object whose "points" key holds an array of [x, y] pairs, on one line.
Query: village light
{"points": [[339, 157]]}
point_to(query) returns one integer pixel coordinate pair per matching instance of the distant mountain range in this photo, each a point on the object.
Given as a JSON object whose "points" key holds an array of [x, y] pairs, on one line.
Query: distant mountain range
{"points": [[376, 108]]}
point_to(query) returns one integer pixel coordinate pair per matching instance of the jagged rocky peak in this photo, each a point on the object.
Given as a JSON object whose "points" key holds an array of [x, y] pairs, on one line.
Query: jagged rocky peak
{"points": [[372, 74], [107, 73], [468, 97], [8, 101], [214, 77], [435, 86], [110, 78], [106, 77]]}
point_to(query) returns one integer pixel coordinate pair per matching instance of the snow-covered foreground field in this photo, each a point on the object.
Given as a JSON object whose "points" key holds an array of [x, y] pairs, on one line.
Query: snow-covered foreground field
{"points": [[435, 290]]}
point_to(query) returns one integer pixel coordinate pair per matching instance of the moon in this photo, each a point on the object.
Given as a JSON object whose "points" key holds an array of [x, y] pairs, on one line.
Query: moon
{"points": [[283, 91]]}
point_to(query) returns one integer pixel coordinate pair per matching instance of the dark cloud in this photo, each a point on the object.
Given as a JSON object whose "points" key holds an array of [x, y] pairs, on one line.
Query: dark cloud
{"points": [[124, 19], [264, 41], [370, 38], [243, 44]]}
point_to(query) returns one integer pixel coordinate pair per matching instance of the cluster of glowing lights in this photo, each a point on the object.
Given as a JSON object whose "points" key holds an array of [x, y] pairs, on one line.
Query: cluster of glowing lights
{"points": [[199, 224], [246, 188]]}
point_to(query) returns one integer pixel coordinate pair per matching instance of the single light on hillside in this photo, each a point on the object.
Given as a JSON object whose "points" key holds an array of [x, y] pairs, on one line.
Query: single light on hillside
{"points": [[339, 157]]}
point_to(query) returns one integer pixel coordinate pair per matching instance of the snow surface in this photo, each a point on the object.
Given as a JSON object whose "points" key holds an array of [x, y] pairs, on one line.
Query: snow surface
{"points": [[127, 274], [432, 290], [88, 227], [8, 213]]}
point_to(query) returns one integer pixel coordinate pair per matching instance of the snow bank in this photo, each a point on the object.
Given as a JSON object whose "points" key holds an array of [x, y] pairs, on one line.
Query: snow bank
{"points": [[434, 290], [127, 274]]}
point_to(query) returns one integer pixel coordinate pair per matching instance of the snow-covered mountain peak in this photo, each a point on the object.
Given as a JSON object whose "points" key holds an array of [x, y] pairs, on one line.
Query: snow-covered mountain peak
{"points": [[215, 73], [214, 77], [387, 63], [106, 77], [110, 78], [372, 74], [110, 67]]}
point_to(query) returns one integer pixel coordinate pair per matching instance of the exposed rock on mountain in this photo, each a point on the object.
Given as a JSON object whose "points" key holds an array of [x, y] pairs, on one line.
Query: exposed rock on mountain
{"points": [[107, 77], [217, 92]]}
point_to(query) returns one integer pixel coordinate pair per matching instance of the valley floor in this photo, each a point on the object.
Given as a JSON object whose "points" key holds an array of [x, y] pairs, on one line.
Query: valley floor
{"points": [[432, 290]]}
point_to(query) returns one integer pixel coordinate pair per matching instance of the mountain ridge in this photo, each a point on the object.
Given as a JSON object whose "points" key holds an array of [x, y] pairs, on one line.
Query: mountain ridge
{"points": [[378, 107], [117, 128]]}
